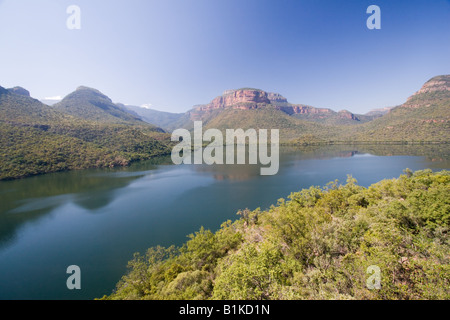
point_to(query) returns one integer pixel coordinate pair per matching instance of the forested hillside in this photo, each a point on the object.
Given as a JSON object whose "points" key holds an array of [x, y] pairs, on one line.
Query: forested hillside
{"points": [[36, 139]]}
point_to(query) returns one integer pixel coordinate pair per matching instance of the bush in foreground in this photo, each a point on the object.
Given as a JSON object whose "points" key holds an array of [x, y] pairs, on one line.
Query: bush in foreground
{"points": [[317, 244]]}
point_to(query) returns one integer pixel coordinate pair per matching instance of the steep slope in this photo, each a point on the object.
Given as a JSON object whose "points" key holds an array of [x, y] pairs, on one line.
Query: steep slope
{"points": [[36, 139], [269, 118], [425, 116]]}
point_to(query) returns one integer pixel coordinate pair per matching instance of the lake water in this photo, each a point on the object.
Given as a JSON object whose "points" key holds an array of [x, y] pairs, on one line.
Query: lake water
{"points": [[97, 219]]}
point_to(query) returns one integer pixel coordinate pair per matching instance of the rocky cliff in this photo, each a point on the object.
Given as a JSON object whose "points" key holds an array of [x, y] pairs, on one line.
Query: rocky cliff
{"points": [[247, 99], [238, 99], [439, 83]]}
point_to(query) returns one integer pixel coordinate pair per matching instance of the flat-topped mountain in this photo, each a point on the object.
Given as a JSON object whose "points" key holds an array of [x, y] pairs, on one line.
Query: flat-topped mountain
{"points": [[247, 99]]}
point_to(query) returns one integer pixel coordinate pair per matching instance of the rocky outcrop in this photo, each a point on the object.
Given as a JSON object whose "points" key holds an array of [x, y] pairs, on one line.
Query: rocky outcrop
{"points": [[249, 99], [243, 99], [436, 88], [240, 99], [246, 99], [344, 114], [440, 83], [276, 98]]}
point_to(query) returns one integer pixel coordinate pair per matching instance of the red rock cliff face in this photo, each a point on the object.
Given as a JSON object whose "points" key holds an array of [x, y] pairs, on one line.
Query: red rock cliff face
{"points": [[244, 99], [239, 99], [253, 99], [439, 84], [247, 99]]}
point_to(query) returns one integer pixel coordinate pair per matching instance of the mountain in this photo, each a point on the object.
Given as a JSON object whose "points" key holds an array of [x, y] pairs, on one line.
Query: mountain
{"points": [[250, 99], [91, 104], [36, 138], [247, 99], [252, 108], [425, 116]]}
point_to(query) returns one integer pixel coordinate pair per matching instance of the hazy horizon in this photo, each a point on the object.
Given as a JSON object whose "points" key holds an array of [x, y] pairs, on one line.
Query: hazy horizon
{"points": [[175, 54]]}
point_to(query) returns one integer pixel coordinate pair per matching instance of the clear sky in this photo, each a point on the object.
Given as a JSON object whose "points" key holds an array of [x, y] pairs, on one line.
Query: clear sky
{"points": [[174, 54]]}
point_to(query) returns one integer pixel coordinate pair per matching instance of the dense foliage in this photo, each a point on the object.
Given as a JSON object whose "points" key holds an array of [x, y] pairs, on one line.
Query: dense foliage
{"points": [[36, 139], [317, 244], [270, 118]]}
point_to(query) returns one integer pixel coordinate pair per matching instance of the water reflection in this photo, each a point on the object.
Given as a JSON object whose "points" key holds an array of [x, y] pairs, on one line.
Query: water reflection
{"points": [[28, 200]]}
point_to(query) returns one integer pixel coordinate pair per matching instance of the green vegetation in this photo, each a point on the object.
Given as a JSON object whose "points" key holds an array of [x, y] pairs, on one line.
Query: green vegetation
{"points": [[423, 118], [333, 118], [270, 118], [317, 244], [86, 129]]}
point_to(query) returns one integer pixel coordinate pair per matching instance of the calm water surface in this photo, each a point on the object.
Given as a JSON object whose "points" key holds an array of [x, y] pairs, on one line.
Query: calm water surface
{"points": [[97, 219]]}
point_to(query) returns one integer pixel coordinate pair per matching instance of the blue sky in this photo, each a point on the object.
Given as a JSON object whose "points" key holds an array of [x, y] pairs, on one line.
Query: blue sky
{"points": [[174, 54]]}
